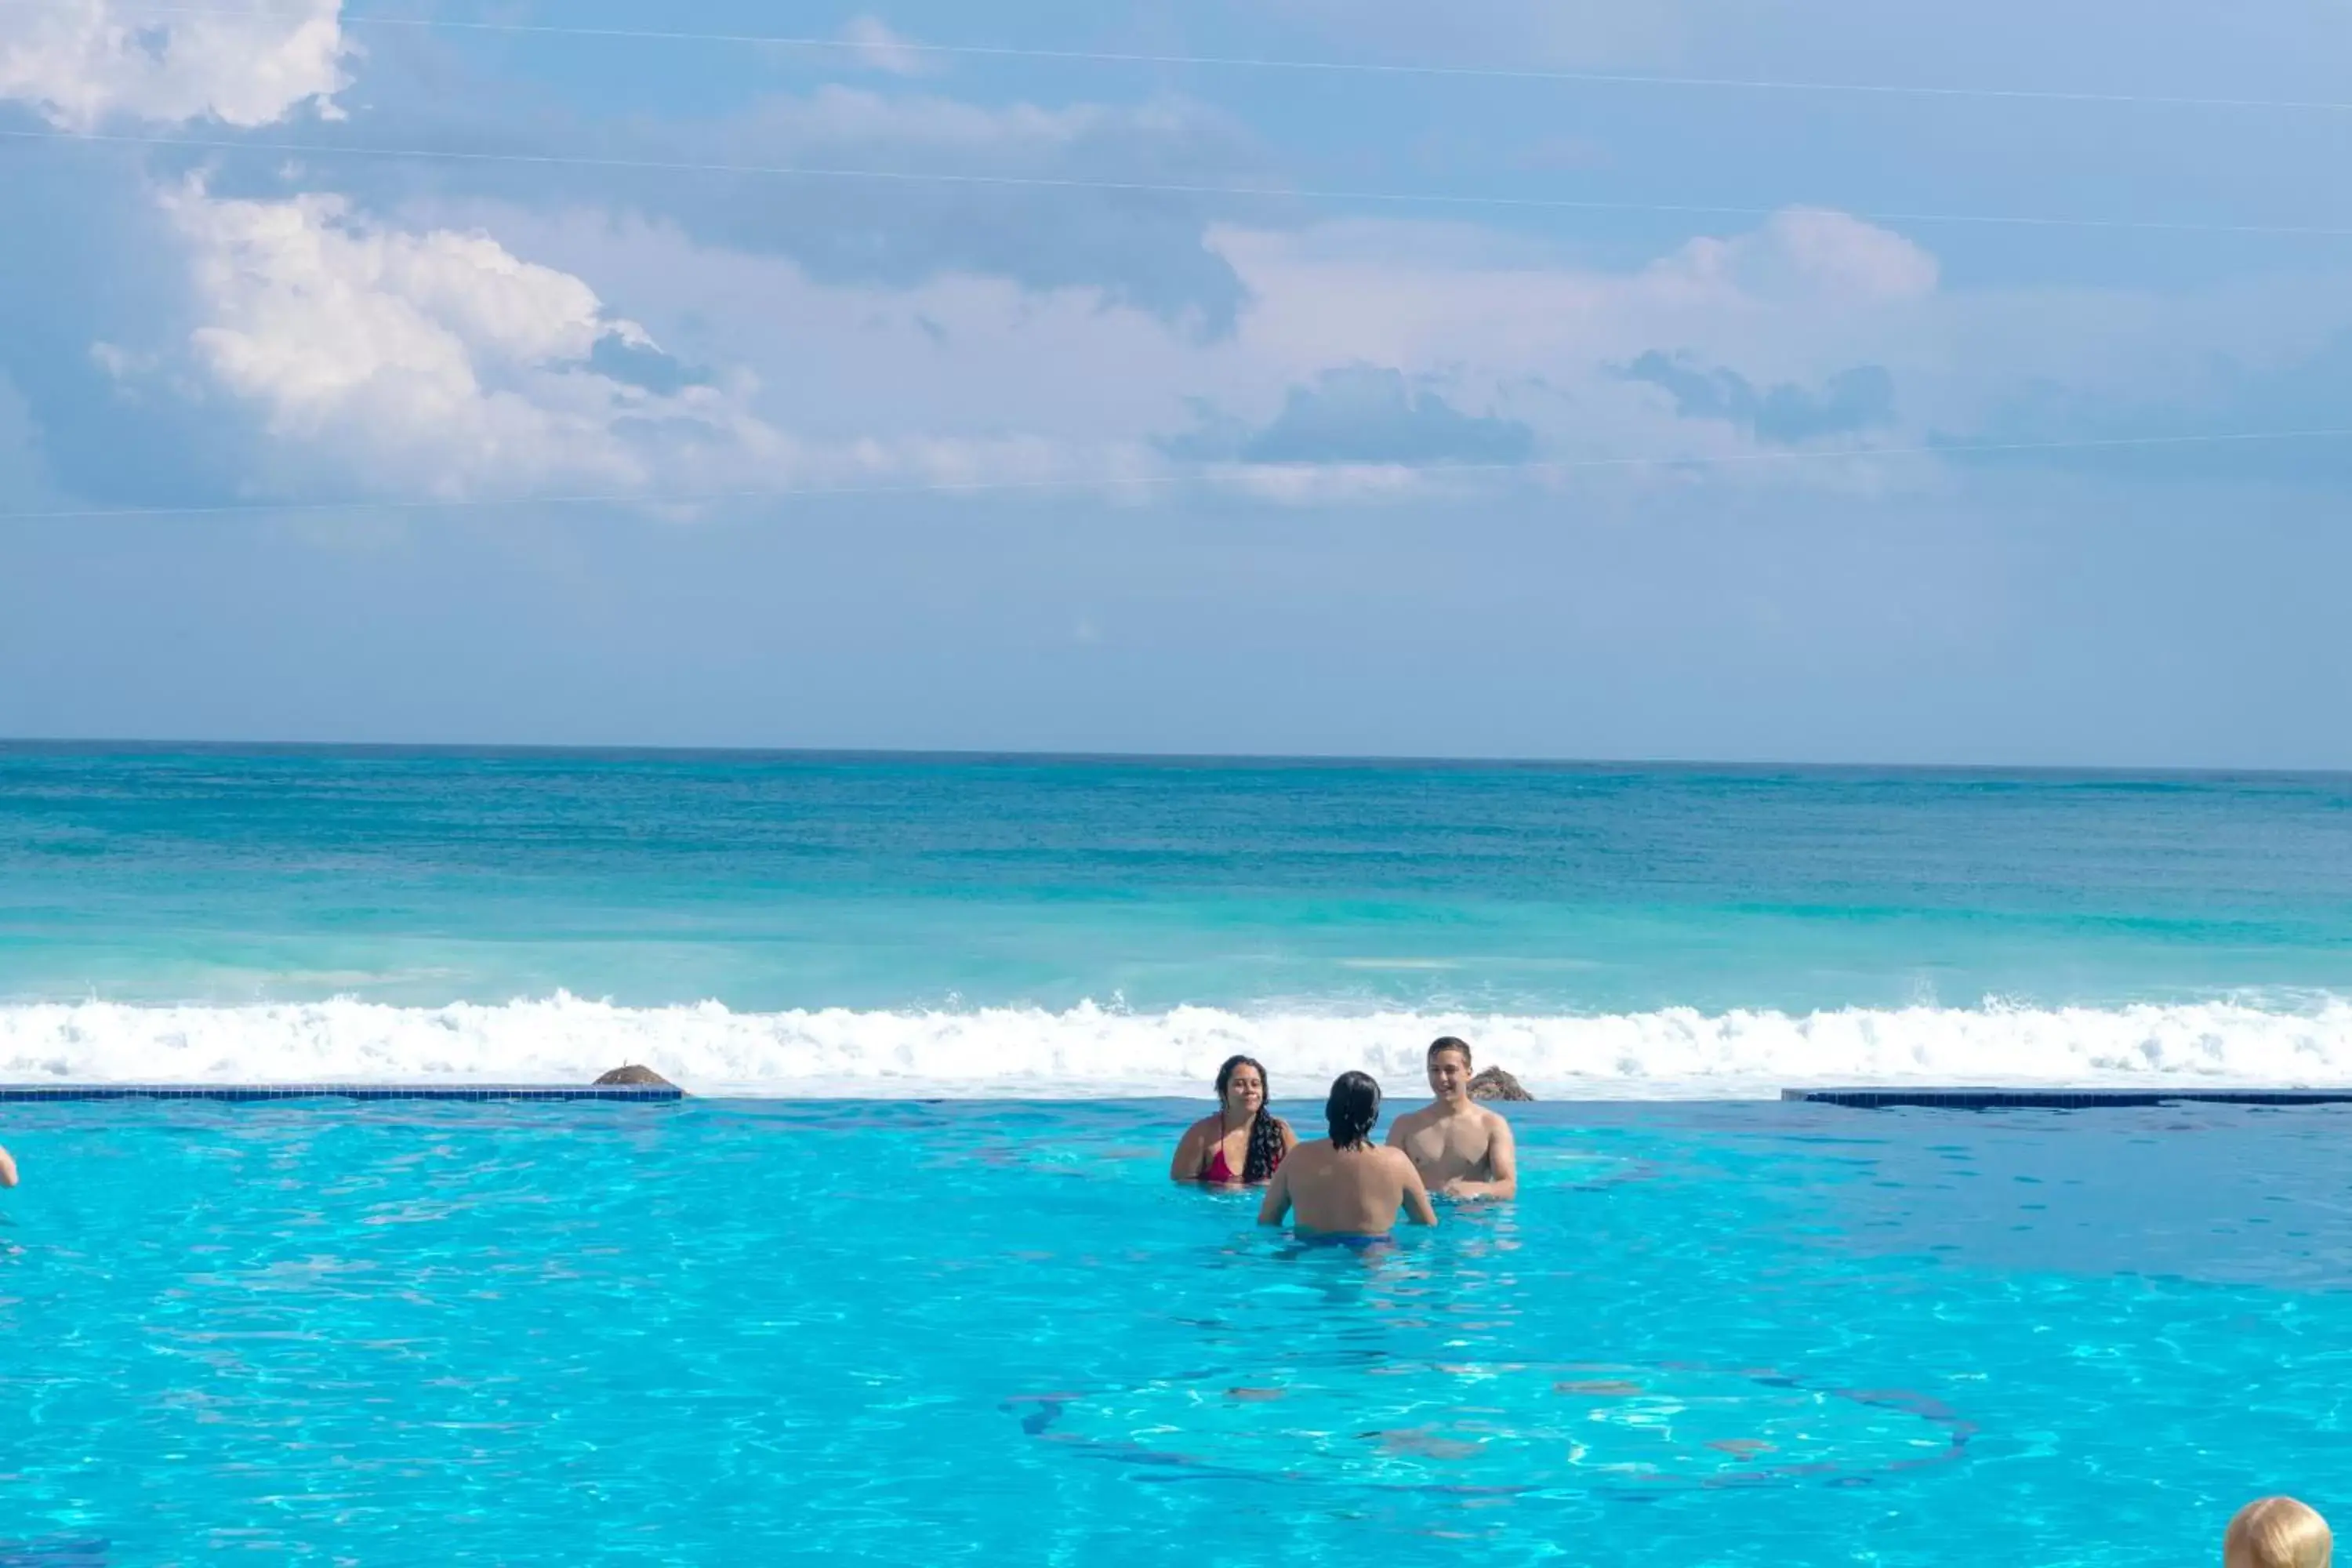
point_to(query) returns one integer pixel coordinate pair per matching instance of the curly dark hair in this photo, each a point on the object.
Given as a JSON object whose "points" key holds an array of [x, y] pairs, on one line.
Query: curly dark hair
{"points": [[1266, 1127], [1352, 1108]]}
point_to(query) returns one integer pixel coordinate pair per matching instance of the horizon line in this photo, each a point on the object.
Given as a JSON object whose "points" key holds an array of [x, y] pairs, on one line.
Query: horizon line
{"points": [[132, 745]]}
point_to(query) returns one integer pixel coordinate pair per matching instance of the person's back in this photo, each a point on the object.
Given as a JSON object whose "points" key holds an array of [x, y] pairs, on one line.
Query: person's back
{"points": [[1345, 1185]]}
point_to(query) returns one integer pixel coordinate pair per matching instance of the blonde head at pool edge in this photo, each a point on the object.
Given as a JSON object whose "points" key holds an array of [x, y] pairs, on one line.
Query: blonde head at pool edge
{"points": [[2277, 1532]]}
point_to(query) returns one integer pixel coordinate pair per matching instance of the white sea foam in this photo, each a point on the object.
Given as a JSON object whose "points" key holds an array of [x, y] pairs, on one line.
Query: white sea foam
{"points": [[1090, 1051]]}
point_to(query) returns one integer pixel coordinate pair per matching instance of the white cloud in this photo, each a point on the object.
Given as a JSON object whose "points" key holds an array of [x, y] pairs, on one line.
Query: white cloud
{"points": [[964, 375], [1539, 339], [438, 361], [82, 62], [856, 119], [881, 50], [1813, 251], [1396, 294], [1336, 484], [430, 356], [463, 352], [396, 362]]}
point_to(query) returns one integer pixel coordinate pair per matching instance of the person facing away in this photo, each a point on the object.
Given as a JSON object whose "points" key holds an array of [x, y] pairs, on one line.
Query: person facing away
{"points": [[1344, 1184], [1462, 1149], [1244, 1142], [2277, 1532]]}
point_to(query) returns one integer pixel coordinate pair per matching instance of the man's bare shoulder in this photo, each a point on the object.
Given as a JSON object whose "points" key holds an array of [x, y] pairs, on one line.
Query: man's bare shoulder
{"points": [[1414, 1121], [1491, 1117]]}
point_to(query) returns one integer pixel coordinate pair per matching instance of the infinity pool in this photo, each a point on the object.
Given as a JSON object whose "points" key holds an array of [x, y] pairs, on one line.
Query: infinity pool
{"points": [[929, 1333]]}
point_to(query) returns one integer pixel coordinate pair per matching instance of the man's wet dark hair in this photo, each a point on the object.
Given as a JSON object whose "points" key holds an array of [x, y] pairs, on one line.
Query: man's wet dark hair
{"points": [[1448, 1043], [1354, 1106]]}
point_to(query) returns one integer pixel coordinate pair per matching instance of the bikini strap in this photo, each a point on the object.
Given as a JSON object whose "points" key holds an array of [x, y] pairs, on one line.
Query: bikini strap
{"points": [[1216, 1147]]}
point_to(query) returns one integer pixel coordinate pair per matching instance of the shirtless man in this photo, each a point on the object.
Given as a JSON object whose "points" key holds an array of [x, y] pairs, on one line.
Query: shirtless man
{"points": [[1462, 1149], [7, 1170], [1343, 1185]]}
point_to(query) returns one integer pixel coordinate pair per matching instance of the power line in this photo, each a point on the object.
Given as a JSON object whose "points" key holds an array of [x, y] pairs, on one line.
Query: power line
{"points": [[1277, 64], [1152, 187], [1202, 475]]}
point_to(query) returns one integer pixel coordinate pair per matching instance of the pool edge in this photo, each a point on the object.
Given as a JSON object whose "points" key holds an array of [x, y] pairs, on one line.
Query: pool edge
{"points": [[2057, 1098], [250, 1092]]}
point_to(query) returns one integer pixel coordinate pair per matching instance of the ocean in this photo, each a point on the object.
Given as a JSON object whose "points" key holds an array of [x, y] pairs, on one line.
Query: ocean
{"points": [[810, 924]]}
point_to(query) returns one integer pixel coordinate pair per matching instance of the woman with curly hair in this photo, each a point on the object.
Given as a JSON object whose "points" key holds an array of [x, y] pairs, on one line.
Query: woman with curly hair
{"points": [[1244, 1143]]}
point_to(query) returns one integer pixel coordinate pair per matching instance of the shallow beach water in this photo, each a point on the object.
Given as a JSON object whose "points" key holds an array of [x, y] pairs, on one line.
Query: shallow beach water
{"points": [[740, 1331]]}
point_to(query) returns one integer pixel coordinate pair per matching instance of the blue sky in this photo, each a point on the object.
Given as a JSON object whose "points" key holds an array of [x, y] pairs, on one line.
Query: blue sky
{"points": [[1523, 377]]}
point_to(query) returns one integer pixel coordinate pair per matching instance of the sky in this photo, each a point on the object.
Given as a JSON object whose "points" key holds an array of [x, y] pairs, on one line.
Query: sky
{"points": [[1540, 378]]}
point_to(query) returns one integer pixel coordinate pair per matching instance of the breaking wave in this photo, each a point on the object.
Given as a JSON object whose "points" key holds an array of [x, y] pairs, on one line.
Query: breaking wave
{"points": [[1103, 1052]]}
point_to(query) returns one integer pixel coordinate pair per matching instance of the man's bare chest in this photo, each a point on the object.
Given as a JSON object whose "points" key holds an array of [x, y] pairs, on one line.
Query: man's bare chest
{"points": [[1457, 1144]]}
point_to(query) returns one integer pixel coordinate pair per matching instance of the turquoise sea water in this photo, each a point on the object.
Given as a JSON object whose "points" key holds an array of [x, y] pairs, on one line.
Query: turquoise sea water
{"points": [[731, 1332], [808, 881], [1099, 925]]}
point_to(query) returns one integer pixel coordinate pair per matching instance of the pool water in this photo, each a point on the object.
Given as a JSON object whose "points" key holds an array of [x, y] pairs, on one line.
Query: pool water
{"points": [[746, 1331]]}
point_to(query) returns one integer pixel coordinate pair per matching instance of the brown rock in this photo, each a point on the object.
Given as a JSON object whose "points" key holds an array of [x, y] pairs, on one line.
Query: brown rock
{"points": [[1493, 1083], [634, 1074]]}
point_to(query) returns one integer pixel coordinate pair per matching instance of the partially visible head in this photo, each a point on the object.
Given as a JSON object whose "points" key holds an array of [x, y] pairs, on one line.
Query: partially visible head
{"points": [[1241, 1086], [2277, 1532], [1449, 1067], [1353, 1107]]}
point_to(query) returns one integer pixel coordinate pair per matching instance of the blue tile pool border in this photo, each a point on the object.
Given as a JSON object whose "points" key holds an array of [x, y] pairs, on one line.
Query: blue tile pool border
{"points": [[2059, 1099], [241, 1093]]}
